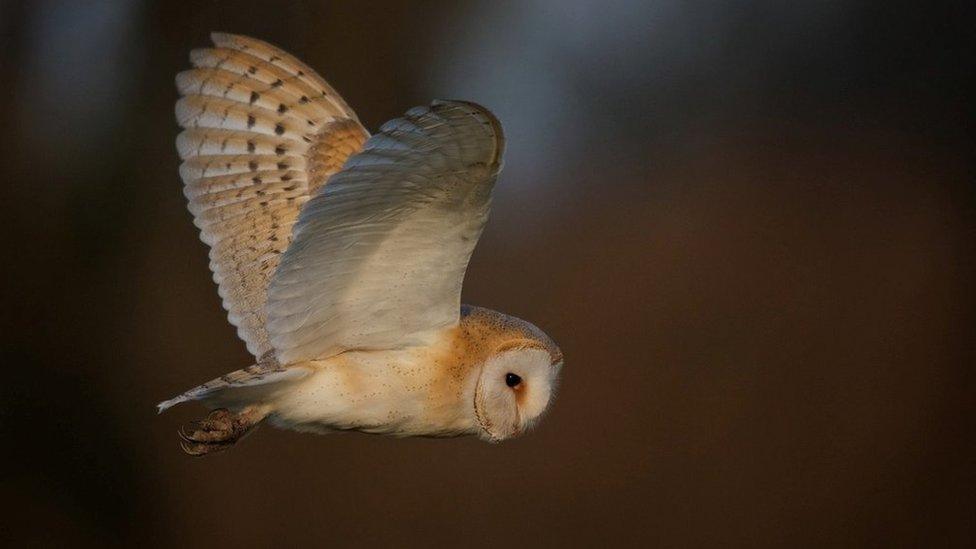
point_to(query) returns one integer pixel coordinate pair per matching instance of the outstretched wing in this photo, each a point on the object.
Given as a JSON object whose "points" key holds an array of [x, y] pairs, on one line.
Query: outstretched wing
{"points": [[262, 133], [379, 253]]}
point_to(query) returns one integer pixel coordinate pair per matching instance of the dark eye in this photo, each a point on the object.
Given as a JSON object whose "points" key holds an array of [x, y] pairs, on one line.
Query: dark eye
{"points": [[512, 380]]}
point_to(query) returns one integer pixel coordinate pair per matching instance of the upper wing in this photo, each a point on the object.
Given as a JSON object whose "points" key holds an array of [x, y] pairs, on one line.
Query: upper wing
{"points": [[262, 133], [379, 253]]}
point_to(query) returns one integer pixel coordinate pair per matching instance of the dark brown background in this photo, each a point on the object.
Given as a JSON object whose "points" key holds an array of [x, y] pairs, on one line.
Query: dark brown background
{"points": [[749, 225]]}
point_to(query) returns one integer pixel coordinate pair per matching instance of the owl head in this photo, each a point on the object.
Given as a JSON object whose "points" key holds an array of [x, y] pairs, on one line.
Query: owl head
{"points": [[514, 389], [517, 380]]}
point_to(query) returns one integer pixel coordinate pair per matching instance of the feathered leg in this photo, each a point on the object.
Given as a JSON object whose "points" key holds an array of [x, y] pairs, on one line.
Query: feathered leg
{"points": [[219, 431]]}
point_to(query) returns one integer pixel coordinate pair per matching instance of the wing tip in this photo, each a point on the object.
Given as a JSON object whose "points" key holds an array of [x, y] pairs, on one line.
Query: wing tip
{"points": [[221, 37], [244, 43], [481, 111]]}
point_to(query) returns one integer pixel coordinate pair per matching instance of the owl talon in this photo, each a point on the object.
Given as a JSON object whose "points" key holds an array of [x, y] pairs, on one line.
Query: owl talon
{"points": [[199, 449], [183, 436], [219, 431]]}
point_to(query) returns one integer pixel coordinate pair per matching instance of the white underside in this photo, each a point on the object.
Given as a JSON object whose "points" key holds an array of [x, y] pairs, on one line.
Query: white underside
{"points": [[388, 392]]}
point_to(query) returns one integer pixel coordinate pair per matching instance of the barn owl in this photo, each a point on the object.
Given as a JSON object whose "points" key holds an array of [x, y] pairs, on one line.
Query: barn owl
{"points": [[339, 257]]}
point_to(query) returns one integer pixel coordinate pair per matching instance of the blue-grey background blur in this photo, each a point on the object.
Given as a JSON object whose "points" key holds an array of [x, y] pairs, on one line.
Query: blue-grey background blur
{"points": [[750, 226]]}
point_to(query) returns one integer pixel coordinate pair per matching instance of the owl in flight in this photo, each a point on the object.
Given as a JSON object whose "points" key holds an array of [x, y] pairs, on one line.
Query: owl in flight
{"points": [[339, 257]]}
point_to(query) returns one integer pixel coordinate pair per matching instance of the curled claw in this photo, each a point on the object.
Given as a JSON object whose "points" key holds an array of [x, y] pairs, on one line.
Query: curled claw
{"points": [[219, 431], [193, 433], [183, 436], [198, 449], [195, 450]]}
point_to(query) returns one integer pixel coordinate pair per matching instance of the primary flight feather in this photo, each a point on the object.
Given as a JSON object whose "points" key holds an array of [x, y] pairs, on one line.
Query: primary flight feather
{"points": [[340, 257]]}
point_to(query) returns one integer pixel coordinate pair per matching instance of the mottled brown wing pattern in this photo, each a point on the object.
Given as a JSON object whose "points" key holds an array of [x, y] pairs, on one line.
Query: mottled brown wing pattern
{"points": [[262, 132]]}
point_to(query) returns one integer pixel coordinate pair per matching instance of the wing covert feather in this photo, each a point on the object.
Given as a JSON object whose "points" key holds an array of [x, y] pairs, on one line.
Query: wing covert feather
{"points": [[378, 255]]}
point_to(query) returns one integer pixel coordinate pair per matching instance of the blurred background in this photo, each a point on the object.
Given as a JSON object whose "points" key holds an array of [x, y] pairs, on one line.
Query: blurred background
{"points": [[750, 226]]}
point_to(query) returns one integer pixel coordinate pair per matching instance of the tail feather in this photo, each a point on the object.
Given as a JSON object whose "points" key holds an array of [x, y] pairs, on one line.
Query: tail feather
{"points": [[252, 376]]}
